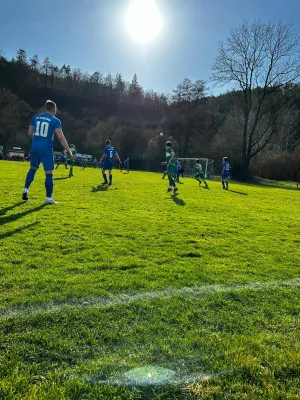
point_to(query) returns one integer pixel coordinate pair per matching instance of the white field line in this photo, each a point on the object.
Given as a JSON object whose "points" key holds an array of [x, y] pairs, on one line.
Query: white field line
{"points": [[120, 299]]}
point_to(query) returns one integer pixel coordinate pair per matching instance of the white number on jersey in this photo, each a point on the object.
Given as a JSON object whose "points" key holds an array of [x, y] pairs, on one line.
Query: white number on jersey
{"points": [[41, 129], [110, 154]]}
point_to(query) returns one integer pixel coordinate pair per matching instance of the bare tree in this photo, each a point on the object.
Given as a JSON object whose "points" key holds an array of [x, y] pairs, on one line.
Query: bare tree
{"points": [[260, 60]]}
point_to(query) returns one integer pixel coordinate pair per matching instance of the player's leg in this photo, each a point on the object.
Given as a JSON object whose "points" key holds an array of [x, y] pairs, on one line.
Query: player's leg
{"points": [[164, 175], [104, 175], [203, 178], [223, 181], [34, 165], [57, 165], [227, 182], [72, 163], [48, 163], [110, 176], [66, 164], [172, 184]]}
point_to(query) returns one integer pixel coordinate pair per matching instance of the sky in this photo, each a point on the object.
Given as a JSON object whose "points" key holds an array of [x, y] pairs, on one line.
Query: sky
{"points": [[92, 35]]}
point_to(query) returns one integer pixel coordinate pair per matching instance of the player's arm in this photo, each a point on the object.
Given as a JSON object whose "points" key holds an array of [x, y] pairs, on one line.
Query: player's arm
{"points": [[30, 131], [63, 141], [118, 158], [102, 158]]}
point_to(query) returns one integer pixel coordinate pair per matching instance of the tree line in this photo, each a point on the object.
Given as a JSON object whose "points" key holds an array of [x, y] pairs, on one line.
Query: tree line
{"points": [[255, 123]]}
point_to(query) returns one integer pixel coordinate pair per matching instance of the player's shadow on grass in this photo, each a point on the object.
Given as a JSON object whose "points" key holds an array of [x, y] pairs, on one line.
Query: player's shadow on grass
{"points": [[99, 188], [17, 230], [6, 209], [61, 179], [15, 217], [235, 191], [177, 200]]}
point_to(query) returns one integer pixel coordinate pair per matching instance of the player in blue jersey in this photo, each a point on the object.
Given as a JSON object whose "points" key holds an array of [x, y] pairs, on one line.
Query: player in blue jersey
{"points": [[63, 159], [41, 130], [177, 170], [108, 159], [225, 173], [126, 165]]}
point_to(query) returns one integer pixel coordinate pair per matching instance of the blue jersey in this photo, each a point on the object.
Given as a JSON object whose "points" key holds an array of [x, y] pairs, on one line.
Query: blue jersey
{"points": [[44, 126], [177, 166], [126, 163], [110, 152], [226, 167]]}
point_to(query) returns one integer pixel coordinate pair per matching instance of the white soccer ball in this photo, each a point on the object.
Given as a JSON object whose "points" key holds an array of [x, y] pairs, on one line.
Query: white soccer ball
{"points": [[161, 134]]}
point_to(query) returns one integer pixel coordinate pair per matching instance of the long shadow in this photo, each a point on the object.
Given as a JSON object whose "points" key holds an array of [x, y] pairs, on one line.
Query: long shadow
{"points": [[176, 200], [17, 230], [15, 217], [204, 187], [99, 188], [235, 191], [180, 183], [6, 209], [61, 179]]}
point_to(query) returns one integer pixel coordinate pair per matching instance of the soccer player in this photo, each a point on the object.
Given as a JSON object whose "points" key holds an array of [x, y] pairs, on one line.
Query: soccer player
{"points": [[182, 168], [72, 159], [170, 163], [126, 165], [199, 174], [177, 169], [63, 159], [225, 173], [84, 163], [108, 159], [41, 130]]}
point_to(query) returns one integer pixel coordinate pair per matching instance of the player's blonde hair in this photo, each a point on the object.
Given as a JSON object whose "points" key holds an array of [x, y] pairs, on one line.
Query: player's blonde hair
{"points": [[50, 105]]}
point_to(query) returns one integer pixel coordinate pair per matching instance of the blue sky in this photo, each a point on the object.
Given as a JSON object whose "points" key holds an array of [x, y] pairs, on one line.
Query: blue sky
{"points": [[91, 35]]}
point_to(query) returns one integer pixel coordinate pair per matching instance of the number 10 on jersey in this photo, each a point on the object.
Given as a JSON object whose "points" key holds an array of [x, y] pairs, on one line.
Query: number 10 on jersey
{"points": [[41, 129]]}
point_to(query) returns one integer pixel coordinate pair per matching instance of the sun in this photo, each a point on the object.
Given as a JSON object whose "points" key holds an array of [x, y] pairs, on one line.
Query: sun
{"points": [[143, 20]]}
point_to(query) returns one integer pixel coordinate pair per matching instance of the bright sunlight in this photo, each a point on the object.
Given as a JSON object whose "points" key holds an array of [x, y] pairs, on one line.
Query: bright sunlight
{"points": [[143, 20]]}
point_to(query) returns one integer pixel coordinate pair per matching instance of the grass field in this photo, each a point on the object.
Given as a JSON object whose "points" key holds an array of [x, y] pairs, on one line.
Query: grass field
{"points": [[128, 292]]}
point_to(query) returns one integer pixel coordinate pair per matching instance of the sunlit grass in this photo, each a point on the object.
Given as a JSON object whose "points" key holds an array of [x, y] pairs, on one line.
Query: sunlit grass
{"points": [[76, 311]]}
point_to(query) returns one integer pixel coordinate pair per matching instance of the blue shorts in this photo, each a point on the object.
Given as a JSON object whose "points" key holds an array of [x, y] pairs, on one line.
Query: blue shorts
{"points": [[107, 166], [44, 156], [62, 159], [225, 176]]}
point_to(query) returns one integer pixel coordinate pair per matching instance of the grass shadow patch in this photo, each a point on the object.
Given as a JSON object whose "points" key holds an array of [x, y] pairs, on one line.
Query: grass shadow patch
{"points": [[192, 255], [99, 188]]}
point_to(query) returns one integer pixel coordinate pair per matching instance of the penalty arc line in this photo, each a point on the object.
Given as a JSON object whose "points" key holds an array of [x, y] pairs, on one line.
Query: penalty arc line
{"points": [[121, 299]]}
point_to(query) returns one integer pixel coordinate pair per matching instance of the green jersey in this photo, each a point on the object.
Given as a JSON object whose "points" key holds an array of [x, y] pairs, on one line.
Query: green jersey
{"points": [[169, 153], [199, 169], [74, 152]]}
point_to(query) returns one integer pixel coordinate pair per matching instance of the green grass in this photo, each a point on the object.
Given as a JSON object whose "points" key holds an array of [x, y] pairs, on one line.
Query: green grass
{"points": [[93, 287]]}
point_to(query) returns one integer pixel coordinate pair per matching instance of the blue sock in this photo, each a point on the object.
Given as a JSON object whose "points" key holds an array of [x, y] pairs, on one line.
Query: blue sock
{"points": [[49, 185], [104, 177], [29, 177], [110, 178]]}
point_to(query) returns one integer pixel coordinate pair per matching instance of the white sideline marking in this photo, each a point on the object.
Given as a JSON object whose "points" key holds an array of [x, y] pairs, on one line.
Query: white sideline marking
{"points": [[120, 299]]}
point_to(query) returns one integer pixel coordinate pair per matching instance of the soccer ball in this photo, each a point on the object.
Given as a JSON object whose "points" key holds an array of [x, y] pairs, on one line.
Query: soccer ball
{"points": [[161, 134]]}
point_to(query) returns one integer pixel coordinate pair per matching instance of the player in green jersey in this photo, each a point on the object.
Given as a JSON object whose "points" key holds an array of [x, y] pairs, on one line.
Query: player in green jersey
{"points": [[200, 174], [72, 162], [170, 163]]}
